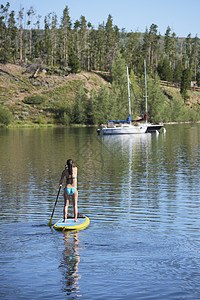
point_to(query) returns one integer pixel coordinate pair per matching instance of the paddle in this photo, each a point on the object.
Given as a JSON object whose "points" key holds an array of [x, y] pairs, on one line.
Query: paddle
{"points": [[54, 206]]}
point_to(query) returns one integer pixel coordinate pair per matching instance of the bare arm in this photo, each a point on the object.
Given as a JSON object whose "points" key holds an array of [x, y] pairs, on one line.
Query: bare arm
{"points": [[62, 177]]}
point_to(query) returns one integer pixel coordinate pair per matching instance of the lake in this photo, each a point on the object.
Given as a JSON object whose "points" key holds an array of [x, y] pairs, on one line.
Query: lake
{"points": [[142, 195]]}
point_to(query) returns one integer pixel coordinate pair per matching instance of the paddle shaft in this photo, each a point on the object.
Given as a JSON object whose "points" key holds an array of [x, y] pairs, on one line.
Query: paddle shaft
{"points": [[54, 206]]}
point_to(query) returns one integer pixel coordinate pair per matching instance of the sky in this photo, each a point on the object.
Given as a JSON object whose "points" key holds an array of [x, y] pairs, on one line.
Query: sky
{"points": [[182, 16]]}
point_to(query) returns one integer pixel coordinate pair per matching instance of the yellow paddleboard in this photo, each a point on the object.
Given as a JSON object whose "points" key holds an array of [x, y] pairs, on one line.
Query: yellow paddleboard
{"points": [[70, 224]]}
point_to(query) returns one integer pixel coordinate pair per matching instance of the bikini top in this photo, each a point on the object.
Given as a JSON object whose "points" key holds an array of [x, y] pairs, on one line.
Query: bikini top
{"points": [[71, 177], [68, 179]]}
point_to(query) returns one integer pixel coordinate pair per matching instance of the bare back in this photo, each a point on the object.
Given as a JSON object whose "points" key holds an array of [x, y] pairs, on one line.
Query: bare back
{"points": [[71, 180]]}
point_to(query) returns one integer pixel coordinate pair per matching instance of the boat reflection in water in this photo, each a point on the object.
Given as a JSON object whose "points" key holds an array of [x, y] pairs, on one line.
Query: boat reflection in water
{"points": [[69, 265]]}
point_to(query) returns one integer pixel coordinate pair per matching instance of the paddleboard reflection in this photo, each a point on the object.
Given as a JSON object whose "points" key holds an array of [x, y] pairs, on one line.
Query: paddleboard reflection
{"points": [[69, 265]]}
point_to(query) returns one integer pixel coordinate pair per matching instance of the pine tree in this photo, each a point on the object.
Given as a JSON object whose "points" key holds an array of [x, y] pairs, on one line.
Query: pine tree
{"points": [[100, 48], [150, 46], [189, 50], [177, 75], [73, 61], [167, 42], [65, 36], [156, 100], [132, 50], [111, 42], [173, 51], [185, 83], [83, 41], [80, 106], [12, 34], [92, 110], [164, 70], [4, 38]]}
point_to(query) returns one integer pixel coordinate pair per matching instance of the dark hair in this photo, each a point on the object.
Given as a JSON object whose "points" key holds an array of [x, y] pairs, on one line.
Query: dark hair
{"points": [[70, 169]]}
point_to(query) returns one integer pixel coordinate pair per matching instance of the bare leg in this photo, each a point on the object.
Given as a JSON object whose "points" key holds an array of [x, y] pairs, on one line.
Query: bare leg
{"points": [[75, 200], [66, 198]]}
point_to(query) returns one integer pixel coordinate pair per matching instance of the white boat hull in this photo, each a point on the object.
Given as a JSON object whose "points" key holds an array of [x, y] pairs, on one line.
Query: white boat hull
{"points": [[124, 129]]}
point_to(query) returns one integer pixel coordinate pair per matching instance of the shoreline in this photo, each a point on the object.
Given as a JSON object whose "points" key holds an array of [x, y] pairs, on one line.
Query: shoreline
{"points": [[26, 125]]}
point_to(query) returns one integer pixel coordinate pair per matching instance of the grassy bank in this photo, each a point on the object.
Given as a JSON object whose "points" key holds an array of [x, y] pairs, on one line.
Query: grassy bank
{"points": [[48, 100]]}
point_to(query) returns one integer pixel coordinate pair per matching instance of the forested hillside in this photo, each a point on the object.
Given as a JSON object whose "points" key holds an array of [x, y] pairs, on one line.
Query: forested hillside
{"points": [[60, 48]]}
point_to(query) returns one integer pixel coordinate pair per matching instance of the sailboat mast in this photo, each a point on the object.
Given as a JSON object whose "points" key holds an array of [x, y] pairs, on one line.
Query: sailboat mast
{"points": [[145, 77], [129, 100]]}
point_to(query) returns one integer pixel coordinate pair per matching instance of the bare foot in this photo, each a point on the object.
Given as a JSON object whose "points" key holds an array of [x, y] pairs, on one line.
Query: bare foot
{"points": [[76, 220]]}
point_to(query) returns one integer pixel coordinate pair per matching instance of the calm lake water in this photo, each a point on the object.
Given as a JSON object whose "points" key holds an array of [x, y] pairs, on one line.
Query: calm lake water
{"points": [[142, 195]]}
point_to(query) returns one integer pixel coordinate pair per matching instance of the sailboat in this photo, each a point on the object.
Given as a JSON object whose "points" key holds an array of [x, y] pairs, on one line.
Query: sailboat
{"points": [[150, 126], [123, 126]]}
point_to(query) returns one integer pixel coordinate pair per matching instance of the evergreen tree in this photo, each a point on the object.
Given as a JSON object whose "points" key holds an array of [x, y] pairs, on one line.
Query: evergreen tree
{"points": [[173, 51], [185, 83], [189, 50], [177, 75], [93, 49], [103, 105], [151, 39], [73, 61], [92, 110], [111, 42], [132, 50], [80, 106], [4, 38], [167, 42], [119, 86], [100, 48], [65, 37], [156, 100], [12, 34], [83, 42], [164, 70]]}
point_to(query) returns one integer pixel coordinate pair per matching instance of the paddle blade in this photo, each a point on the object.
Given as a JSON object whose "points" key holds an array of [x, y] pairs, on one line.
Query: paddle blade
{"points": [[50, 222]]}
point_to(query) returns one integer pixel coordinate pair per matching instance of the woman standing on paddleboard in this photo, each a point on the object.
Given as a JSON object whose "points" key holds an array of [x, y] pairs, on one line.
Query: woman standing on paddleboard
{"points": [[70, 173]]}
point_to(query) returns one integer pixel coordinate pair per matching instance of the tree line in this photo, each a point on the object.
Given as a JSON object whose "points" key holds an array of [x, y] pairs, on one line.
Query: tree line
{"points": [[81, 46], [61, 46]]}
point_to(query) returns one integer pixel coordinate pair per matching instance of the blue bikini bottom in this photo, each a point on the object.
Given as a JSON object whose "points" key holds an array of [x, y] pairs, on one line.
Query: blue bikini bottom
{"points": [[70, 191]]}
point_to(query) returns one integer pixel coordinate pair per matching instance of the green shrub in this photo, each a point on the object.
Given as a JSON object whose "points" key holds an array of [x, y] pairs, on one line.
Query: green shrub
{"points": [[65, 119], [37, 99], [6, 116], [40, 120]]}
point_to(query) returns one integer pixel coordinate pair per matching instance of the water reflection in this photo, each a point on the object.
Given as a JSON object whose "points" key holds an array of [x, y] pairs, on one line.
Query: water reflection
{"points": [[150, 181], [128, 157], [69, 265]]}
